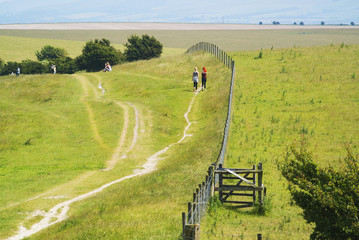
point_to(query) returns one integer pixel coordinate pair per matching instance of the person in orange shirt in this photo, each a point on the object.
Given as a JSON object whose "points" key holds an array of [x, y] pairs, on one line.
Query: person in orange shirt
{"points": [[204, 78]]}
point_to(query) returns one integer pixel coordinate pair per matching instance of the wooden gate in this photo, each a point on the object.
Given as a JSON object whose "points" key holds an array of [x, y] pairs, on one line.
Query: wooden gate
{"points": [[242, 187]]}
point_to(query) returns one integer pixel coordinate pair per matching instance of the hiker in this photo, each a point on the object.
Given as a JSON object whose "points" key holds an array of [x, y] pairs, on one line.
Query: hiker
{"points": [[195, 78], [18, 72], [204, 78], [108, 67], [53, 68]]}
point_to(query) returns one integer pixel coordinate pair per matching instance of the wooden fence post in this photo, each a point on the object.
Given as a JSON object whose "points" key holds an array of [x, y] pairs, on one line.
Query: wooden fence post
{"points": [[260, 182], [259, 236], [254, 182], [183, 222], [190, 212], [213, 182], [191, 232], [220, 182]]}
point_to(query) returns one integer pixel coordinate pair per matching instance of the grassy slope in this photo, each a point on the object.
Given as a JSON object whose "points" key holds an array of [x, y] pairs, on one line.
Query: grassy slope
{"points": [[18, 48], [150, 207], [161, 89], [49, 113], [285, 96]]}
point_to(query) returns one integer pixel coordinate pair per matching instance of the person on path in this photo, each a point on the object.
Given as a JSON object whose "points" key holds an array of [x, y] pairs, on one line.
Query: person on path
{"points": [[195, 75], [18, 72], [204, 78]]}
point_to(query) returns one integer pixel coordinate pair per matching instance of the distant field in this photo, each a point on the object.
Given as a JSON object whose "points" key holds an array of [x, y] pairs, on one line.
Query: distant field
{"points": [[229, 40], [15, 48]]}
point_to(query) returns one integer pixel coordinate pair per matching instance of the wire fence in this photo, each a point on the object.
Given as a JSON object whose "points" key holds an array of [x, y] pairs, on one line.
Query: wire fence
{"points": [[197, 208], [228, 62]]}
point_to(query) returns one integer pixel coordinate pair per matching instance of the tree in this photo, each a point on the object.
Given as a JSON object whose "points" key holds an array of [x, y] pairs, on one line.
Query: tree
{"points": [[322, 23], [260, 23], [301, 23], [143, 48], [96, 53], [50, 53], [295, 23], [352, 23], [329, 197]]}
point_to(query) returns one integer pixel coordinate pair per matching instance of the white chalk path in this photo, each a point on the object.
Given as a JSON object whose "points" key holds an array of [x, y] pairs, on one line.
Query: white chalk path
{"points": [[59, 212], [100, 87]]}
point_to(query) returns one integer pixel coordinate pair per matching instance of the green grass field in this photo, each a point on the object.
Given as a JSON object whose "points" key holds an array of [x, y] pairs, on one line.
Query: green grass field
{"points": [[242, 40], [63, 131], [15, 48], [288, 95], [58, 132]]}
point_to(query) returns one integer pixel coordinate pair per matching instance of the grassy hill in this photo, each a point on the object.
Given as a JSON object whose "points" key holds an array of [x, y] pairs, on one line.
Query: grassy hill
{"points": [[59, 131], [286, 96]]}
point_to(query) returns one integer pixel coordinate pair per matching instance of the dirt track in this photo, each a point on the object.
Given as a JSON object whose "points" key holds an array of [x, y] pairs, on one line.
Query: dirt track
{"points": [[162, 26]]}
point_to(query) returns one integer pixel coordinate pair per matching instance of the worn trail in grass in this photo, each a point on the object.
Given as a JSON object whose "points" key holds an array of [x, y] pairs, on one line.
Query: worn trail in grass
{"points": [[59, 212]]}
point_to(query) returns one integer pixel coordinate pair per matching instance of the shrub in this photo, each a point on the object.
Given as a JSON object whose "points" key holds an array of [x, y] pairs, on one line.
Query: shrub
{"points": [[66, 65], [329, 198], [143, 48], [96, 53], [50, 53], [32, 67], [2, 63], [10, 67]]}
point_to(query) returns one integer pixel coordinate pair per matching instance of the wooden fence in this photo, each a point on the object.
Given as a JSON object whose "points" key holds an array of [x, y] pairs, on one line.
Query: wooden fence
{"points": [[242, 187], [197, 208]]}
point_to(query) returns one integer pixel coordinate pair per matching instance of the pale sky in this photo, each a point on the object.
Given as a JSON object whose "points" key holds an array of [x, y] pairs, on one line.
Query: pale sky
{"points": [[183, 11]]}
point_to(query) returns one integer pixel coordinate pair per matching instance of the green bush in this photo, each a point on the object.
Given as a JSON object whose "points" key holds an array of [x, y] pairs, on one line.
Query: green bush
{"points": [[50, 53], [329, 198], [10, 67], [142, 48], [32, 67], [2, 63], [96, 53], [65, 65]]}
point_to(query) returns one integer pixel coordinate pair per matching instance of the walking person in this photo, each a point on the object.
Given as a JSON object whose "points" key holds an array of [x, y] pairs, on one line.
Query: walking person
{"points": [[204, 78], [18, 72], [195, 75]]}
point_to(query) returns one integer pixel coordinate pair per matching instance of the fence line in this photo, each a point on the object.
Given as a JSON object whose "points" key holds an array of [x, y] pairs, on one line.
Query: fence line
{"points": [[197, 208], [228, 62]]}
